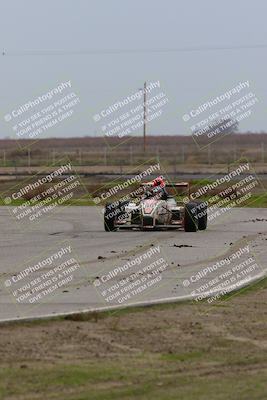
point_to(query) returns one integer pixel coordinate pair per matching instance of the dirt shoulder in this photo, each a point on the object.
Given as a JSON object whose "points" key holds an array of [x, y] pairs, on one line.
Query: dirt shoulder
{"points": [[177, 351]]}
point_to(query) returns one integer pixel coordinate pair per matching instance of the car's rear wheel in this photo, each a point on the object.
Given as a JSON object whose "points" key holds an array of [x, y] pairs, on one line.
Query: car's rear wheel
{"points": [[136, 218], [109, 217], [202, 214], [190, 217]]}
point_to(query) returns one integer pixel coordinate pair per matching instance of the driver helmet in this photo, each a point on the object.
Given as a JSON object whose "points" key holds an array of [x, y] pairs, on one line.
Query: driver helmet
{"points": [[159, 181]]}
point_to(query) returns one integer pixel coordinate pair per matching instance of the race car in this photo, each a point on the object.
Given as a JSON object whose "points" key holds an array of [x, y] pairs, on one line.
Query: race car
{"points": [[156, 209]]}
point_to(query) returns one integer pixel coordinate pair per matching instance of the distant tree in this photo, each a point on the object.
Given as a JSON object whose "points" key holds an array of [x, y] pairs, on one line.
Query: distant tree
{"points": [[220, 126]]}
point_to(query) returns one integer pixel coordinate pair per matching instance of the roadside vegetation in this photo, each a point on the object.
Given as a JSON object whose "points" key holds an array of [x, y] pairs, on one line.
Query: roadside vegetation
{"points": [[185, 351]]}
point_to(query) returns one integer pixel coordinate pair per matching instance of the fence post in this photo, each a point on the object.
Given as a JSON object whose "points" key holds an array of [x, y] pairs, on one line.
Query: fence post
{"points": [[29, 158], [183, 157], [131, 155], [209, 154], [105, 156], [53, 156]]}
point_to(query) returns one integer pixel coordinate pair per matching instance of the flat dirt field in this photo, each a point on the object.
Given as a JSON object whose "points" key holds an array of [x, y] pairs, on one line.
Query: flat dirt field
{"points": [[190, 351]]}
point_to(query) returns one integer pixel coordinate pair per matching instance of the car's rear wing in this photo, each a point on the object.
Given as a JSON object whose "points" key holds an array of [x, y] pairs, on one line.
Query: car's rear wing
{"points": [[171, 185], [179, 184]]}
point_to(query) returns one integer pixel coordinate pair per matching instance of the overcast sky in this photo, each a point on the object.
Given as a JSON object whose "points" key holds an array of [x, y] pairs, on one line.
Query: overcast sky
{"points": [[32, 30]]}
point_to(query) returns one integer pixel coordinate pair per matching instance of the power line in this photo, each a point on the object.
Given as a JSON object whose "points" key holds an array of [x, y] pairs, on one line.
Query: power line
{"points": [[131, 51]]}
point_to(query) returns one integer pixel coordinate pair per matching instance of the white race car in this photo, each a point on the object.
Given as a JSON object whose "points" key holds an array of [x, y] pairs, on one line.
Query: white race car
{"points": [[156, 210]]}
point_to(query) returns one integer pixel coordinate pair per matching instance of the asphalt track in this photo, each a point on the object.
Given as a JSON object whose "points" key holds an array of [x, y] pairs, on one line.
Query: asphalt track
{"points": [[190, 260]]}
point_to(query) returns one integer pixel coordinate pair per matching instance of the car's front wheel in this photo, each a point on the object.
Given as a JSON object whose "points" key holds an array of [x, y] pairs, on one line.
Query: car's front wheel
{"points": [[202, 214], [190, 217]]}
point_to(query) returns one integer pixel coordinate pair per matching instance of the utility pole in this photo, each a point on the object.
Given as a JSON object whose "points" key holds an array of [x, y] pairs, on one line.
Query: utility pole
{"points": [[144, 117]]}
